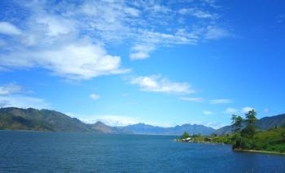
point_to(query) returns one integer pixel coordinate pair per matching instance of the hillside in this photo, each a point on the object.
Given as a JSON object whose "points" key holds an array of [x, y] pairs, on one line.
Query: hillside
{"points": [[42, 120], [49, 120], [265, 123]]}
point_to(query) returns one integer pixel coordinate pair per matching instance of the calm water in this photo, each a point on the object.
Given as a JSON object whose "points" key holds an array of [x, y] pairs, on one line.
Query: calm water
{"points": [[87, 152]]}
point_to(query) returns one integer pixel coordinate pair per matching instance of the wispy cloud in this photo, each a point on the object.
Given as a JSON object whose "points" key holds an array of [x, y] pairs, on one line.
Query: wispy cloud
{"points": [[192, 99], [69, 38], [207, 112], [94, 96], [23, 101], [111, 120], [230, 111], [10, 89], [199, 13], [13, 95], [214, 32], [141, 51], [243, 110], [246, 109], [156, 83], [220, 101], [9, 29]]}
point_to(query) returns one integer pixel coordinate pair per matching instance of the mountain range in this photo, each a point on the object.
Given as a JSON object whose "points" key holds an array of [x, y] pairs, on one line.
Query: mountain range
{"points": [[49, 120]]}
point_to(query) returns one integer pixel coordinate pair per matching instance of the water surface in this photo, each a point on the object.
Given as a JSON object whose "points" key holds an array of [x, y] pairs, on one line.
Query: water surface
{"points": [[87, 152]]}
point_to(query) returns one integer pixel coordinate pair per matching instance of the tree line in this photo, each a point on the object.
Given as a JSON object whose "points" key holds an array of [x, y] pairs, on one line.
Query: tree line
{"points": [[244, 130], [245, 135]]}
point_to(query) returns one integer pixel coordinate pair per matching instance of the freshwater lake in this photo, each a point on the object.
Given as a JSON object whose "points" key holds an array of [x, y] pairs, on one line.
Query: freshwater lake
{"points": [[22, 151]]}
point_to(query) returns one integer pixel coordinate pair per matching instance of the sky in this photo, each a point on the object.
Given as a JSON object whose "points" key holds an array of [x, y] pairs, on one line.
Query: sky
{"points": [[157, 62]]}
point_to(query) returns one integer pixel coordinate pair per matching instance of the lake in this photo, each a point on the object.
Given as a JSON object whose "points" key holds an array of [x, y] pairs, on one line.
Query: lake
{"points": [[22, 151]]}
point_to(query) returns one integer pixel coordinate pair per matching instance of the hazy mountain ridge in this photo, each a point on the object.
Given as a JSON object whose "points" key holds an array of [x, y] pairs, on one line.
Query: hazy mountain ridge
{"points": [[177, 130], [43, 120], [265, 123], [50, 120]]}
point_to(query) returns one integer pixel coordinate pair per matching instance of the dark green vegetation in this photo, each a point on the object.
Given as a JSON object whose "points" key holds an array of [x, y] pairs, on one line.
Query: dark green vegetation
{"points": [[251, 138], [247, 136], [49, 120], [265, 123]]}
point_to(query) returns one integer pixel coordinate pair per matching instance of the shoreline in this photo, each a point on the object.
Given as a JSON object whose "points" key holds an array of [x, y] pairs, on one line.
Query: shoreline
{"points": [[260, 151]]}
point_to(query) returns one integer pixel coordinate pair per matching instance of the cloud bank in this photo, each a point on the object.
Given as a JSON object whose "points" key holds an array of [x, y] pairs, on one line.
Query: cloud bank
{"points": [[69, 38], [156, 83]]}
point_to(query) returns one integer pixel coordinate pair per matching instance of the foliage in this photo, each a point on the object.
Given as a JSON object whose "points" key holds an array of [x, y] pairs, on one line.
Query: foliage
{"points": [[251, 127], [242, 139], [185, 135], [271, 140], [237, 123], [250, 139], [225, 139]]}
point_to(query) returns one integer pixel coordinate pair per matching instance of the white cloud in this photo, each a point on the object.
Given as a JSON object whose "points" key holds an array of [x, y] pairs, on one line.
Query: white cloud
{"points": [[197, 13], [230, 111], [74, 61], [10, 89], [141, 52], [220, 101], [13, 95], [111, 120], [213, 32], [246, 109], [192, 99], [94, 96], [56, 25], [9, 28], [207, 112], [23, 102], [215, 125], [158, 84], [243, 110], [82, 62], [63, 37]]}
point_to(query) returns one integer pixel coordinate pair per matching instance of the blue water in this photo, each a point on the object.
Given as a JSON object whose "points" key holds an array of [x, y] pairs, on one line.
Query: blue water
{"points": [[87, 152]]}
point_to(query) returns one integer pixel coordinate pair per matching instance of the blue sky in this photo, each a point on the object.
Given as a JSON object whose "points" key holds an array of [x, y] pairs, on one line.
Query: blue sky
{"points": [[163, 63]]}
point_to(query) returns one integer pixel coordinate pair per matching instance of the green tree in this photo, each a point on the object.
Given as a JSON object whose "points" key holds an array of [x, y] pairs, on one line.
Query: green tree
{"points": [[237, 123], [251, 117], [185, 135], [251, 127], [243, 138]]}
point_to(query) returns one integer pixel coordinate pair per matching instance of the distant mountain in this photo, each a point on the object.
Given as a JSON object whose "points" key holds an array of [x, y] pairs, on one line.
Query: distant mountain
{"points": [[265, 123], [271, 122], [103, 128], [177, 130], [40, 120], [49, 120]]}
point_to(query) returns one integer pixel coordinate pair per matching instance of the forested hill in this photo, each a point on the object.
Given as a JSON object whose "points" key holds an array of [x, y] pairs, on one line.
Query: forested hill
{"points": [[49, 120], [39, 120], [265, 123]]}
